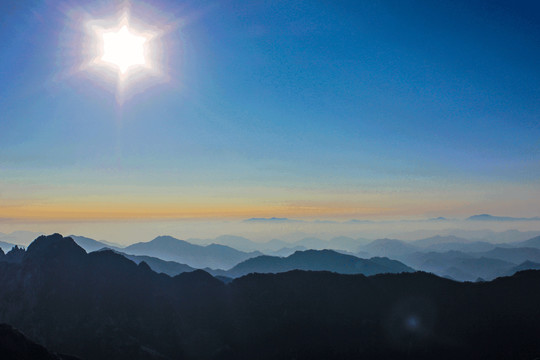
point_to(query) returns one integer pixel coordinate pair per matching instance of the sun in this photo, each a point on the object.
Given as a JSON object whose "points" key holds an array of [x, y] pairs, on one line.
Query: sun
{"points": [[125, 54], [123, 49]]}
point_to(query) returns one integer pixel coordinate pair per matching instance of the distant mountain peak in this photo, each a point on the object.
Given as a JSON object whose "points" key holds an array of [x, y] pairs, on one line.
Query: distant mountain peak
{"points": [[165, 238], [488, 217]]}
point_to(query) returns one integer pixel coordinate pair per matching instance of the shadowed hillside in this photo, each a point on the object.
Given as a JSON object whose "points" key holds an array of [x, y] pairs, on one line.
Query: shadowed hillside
{"points": [[15, 346]]}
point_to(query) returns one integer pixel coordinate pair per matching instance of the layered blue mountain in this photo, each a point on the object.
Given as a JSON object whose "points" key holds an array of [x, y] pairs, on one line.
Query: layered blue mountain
{"points": [[275, 245], [170, 249], [317, 260], [459, 265]]}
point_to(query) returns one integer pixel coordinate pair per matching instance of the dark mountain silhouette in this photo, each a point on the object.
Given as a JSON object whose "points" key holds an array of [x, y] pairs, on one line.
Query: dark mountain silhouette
{"points": [[15, 346], [171, 249], [317, 260], [15, 255], [54, 247], [103, 306], [93, 304]]}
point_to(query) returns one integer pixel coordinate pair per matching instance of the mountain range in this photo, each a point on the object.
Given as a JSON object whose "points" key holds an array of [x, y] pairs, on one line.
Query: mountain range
{"points": [[448, 256], [212, 256], [298, 258], [103, 306]]}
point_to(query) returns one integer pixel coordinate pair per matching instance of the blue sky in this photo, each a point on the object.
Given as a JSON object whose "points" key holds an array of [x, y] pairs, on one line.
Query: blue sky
{"points": [[275, 108]]}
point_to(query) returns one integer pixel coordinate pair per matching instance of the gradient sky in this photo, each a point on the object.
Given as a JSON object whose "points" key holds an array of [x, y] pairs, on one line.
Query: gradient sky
{"points": [[306, 109]]}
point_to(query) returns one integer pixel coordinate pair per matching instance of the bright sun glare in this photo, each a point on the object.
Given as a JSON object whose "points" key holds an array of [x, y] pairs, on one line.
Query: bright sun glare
{"points": [[123, 49], [125, 52]]}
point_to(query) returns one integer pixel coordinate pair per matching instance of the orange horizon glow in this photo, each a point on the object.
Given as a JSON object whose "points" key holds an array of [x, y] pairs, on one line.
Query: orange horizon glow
{"points": [[114, 212]]}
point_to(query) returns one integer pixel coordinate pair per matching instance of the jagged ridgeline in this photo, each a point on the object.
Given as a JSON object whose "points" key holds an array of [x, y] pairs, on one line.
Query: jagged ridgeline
{"points": [[102, 305]]}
